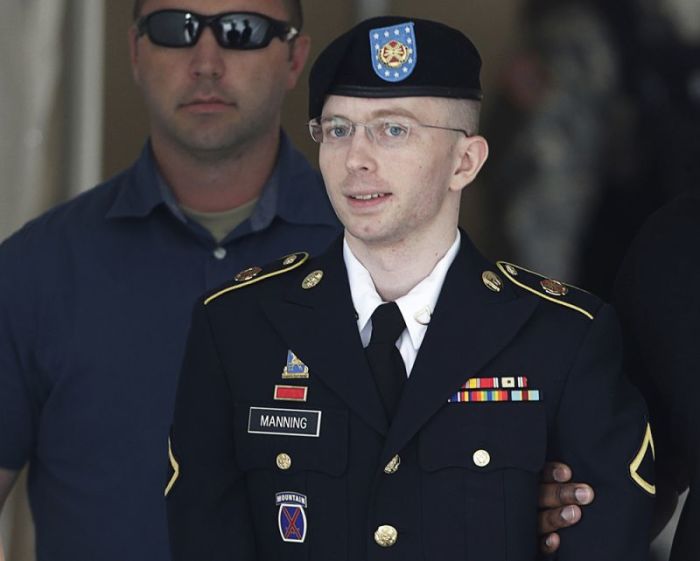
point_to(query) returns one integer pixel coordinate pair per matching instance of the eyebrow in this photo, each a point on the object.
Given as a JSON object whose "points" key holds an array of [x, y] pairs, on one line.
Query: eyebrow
{"points": [[379, 113]]}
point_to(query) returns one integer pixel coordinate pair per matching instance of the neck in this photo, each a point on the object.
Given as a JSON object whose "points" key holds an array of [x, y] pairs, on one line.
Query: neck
{"points": [[397, 268], [215, 182]]}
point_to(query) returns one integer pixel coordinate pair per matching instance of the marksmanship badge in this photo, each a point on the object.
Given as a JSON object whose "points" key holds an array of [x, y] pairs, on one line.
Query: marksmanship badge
{"points": [[393, 51], [291, 517]]}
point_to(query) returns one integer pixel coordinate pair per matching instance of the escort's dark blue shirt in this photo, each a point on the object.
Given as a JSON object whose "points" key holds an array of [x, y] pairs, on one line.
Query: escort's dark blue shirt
{"points": [[95, 301]]}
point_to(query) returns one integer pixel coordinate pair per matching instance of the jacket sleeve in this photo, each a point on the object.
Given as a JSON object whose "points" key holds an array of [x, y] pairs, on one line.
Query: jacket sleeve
{"points": [[659, 321], [603, 434], [208, 511]]}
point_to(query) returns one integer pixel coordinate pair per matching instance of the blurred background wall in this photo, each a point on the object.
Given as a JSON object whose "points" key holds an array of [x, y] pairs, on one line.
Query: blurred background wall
{"points": [[557, 80]]}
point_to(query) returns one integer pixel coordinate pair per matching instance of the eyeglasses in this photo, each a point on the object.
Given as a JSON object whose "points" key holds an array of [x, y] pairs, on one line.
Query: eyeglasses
{"points": [[385, 133], [233, 30]]}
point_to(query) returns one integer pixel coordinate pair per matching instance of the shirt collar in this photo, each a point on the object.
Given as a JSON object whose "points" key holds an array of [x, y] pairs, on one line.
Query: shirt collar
{"points": [[416, 306], [285, 194], [139, 188]]}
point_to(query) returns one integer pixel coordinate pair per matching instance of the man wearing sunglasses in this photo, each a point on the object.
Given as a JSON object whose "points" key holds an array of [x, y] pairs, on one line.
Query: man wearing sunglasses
{"points": [[396, 397], [95, 296]]}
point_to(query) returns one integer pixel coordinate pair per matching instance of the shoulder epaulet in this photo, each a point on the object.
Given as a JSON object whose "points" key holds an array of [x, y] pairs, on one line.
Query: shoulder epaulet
{"points": [[251, 275], [555, 291]]}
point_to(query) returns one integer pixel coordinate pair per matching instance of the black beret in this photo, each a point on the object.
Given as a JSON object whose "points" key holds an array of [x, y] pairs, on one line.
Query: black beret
{"points": [[393, 56]]}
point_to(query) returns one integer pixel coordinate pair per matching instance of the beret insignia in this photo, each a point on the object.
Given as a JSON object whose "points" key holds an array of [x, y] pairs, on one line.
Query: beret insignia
{"points": [[393, 51]]}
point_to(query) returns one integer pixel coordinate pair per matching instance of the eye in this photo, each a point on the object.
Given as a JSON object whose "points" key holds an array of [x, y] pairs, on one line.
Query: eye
{"points": [[394, 130], [337, 129]]}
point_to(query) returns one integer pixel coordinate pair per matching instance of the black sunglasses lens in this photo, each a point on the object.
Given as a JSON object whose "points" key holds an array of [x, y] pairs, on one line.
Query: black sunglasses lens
{"points": [[173, 29], [243, 31], [178, 28]]}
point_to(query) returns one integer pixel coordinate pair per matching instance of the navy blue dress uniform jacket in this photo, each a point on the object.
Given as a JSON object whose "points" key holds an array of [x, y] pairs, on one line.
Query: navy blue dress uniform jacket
{"points": [[259, 478]]}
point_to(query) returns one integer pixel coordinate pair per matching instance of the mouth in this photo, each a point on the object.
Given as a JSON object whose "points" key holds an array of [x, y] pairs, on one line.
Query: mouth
{"points": [[206, 104], [199, 100], [368, 196]]}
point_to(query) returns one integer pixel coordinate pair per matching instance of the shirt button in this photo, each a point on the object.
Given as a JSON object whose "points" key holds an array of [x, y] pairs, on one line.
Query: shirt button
{"points": [[386, 536], [422, 316], [220, 253], [481, 458]]}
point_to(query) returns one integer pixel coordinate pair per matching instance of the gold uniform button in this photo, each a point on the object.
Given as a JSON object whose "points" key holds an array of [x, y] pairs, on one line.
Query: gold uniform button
{"points": [[386, 536], [312, 280], [481, 458], [393, 465], [284, 462]]}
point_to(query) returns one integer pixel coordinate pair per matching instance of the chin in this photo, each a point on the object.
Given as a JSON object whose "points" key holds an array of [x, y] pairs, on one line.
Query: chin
{"points": [[369, 236]]}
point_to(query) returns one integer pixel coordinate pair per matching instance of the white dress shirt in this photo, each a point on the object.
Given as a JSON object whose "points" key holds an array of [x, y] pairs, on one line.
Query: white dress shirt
{"points": [[416, 307]]}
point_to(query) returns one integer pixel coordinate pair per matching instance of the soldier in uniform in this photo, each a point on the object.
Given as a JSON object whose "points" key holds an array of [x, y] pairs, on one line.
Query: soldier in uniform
{"points": [[397, 397]]}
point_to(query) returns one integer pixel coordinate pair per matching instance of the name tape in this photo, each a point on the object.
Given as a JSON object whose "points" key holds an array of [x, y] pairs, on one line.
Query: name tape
{"points": [[284, 422]]}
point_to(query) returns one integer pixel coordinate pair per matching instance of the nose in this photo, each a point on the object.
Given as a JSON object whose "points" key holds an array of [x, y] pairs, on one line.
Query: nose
{"points": [[360, 151], [207, 60]]}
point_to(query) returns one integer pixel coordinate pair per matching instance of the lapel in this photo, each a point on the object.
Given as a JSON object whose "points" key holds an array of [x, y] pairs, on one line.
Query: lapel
{"points": [[319, 326], [470, 325]]}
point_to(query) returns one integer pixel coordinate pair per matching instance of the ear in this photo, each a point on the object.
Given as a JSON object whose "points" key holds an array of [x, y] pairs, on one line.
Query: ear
{"points": [[297, 59], [471, 153], [133, 39]]}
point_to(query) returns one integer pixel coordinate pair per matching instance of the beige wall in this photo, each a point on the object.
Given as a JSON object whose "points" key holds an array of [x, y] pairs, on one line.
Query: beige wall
{"points": [[125, 124]]}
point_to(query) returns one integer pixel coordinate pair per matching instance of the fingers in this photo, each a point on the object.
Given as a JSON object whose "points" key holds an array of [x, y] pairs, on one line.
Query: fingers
{"points": [[549, 543], [556, 472], [561, 501], [557, 518], [554, 495]]}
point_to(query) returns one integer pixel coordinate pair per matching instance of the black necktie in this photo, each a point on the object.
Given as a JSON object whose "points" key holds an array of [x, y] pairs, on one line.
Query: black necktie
{"points": [[383, 356]]}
